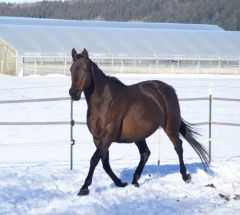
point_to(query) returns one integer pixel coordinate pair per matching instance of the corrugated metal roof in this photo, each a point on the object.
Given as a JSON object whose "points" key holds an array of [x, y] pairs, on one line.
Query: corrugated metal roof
{"points": [[53, 39], [104, 24]]}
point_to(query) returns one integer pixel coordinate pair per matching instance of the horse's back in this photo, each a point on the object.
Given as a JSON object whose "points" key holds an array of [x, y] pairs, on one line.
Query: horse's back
{"points": [[162, 93]]}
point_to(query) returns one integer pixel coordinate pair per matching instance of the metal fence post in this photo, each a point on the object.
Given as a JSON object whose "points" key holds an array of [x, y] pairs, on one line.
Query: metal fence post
{"points": [[159, 146], [23, 67], [210, 122], [71, 136]]}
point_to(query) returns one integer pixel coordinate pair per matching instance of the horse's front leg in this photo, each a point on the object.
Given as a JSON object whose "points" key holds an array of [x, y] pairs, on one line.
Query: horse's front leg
{"points": [[108, 169], [93, 163]]}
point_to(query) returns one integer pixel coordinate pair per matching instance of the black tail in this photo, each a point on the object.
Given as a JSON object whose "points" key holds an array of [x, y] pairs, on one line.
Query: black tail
{"points": [[189, 133]]}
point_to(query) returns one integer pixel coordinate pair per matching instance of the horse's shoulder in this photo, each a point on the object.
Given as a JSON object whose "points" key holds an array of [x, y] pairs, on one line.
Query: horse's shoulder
{"points": [[157, 85]]}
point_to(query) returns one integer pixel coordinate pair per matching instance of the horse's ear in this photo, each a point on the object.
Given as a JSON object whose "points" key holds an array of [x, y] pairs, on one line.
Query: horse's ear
{"points": [[74, 54], [85, 53]]}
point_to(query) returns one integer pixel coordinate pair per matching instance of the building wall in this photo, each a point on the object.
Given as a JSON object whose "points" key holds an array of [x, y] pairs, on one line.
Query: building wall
{"points": [[7, 59]]}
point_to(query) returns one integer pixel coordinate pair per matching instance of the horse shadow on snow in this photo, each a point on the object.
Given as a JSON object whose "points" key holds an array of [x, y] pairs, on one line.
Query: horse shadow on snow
{"points": [[163, 170]]}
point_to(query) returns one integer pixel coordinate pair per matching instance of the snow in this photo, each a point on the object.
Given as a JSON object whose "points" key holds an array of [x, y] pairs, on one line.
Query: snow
{"points": [[35, 177]]}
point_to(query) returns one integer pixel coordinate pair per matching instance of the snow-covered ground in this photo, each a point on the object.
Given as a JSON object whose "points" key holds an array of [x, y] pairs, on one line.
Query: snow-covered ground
{"points": [[34, 160]]}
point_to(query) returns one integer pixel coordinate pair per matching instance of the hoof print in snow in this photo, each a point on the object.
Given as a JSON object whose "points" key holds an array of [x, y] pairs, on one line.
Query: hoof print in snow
{"points": [[137, 185], [210, 185], [224, 197], [236, 197]]}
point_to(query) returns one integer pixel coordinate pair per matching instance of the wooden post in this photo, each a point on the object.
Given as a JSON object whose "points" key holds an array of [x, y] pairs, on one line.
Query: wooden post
{"points": [[121, 65], [65, 65], [35, 66], [150, 68], [41, 70]]}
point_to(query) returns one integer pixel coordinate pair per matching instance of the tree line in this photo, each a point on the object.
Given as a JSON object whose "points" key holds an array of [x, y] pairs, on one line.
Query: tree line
{"points": [[224, 13]]}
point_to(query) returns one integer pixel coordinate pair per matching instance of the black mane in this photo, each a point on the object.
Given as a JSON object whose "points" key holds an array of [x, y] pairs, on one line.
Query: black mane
{"points": [[115, 80], [112, 78]]}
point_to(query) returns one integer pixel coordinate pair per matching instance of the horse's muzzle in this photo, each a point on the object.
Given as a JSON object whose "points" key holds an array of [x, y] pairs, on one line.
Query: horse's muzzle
{"points": [[75, 94]]}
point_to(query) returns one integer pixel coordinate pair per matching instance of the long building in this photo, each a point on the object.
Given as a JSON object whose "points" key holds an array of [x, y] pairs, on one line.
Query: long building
{"points": [[43, 46]]}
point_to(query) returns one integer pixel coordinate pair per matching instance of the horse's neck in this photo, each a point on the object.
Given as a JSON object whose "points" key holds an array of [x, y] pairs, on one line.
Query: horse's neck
{"points": [[98, 82]]}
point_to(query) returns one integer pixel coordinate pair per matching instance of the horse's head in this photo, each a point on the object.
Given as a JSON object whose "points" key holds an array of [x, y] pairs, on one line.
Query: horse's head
{"points": [[80, 73]]}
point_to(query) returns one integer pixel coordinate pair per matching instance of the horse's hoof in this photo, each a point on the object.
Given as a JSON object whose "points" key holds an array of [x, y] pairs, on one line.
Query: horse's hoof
{"points": [[121, 184], [136, 184], [83, 192], [186, 178]]}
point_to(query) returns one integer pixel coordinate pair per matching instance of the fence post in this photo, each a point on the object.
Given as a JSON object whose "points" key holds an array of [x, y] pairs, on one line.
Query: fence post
{"points": [[150, 68], [65, 64], [71, 136], [23, 68], [121, 65], [210, 122], [239, 63], [41, 70], [159, 146], [35, 66]]}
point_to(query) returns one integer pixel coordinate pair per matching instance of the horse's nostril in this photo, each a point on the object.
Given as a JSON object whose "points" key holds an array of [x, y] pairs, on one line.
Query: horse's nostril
{"points": [[71, 92], [75, 94]]}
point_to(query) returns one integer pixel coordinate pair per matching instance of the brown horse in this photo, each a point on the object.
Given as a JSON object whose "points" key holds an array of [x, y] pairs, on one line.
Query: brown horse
{"points": [[125, 114]]}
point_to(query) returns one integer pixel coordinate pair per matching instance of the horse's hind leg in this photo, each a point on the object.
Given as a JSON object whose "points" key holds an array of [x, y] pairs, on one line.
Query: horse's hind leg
{"points": [[144, 153], [177, 142], [108, 169]]}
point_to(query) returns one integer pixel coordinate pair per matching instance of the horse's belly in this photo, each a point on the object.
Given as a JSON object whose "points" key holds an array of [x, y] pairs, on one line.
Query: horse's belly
{"points": [[136, 133], [140, 123]]}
